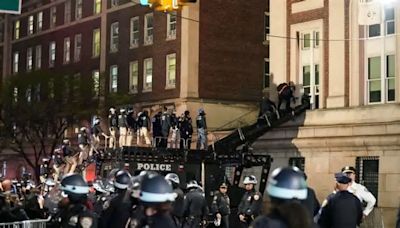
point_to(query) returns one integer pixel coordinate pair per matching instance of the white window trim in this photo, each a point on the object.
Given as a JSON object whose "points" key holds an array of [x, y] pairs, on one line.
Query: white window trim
{"points": [[94, 54], [67, 11], [31, 23], [38, 57], [145, 88], [78, 9], [171, 34], [39, 21], [303, 41], [148, 40], [114, 47], [53, 17], [133, 90], [16, 62], [168, 85], [67, 50], [134, 43], [77, 54], [52, 61], [29, 59], [111, 79]]}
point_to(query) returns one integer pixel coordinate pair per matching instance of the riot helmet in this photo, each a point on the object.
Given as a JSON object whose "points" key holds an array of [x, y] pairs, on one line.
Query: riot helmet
{"points": [[250, 180], [155, 190], [122, 180], [287, 183], [192, 184], [173, 178], [75, 187]]}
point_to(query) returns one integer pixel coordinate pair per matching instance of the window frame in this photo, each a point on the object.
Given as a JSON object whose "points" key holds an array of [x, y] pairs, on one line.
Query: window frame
{"points": [[67, 50], [67, 11], [97, 3], [112, 88], [39, 21], [52, 54], [17, 29], [387, 21], [168, 83], [78, 9], [53, 17], [31, 22], [114, 37], [134, 41], [171, 33], [267, 28], [147, 87], [266, 74], [38, 57], [303, 41], [29, 59], [133, 79], [77, 48], [96, 47], [148, 39], [16, 62]]}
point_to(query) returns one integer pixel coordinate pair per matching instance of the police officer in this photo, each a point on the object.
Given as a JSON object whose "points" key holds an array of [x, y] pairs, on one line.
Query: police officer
{"points": [[44, 170], [165, 127], [123, 127], [97, 131], [360, 190], [156, 127], [251, 204], [70, 156], [343, 209], [186, 130], [101, 197], [74, 213], [83, 142], [155, 198], [286, 188], [177, 206], [113, 127], [195, 206], [118, 211], [144, 126], [201, 124], [132, 126], [220, 206], [58, 163]]}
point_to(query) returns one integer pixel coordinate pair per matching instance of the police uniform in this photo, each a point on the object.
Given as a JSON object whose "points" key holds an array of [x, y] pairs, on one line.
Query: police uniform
{"points": [[250, 206], [186, 130], [113, 125], [165, 127], [77, 216], [118, 212], [195, 208], [177, 206], [123, 128], [221, 205], [132, 127], [361, 192], [143, 123], [343, 209], [83, 142], [156, 126], [201, 130]]}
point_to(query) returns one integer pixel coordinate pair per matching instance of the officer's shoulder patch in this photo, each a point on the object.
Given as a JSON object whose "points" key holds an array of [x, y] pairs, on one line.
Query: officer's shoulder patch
{"points": [[86, 222], [324, 203], [256, 197], [215, 198], [73, 221]]}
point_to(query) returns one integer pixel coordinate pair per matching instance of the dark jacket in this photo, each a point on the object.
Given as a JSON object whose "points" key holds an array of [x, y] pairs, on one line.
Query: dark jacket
{"points": [[311, 203], [267, 222], [343, 210], [118, 211], [77, 215], [221, 204], [251, 204], [195, 204], [178, 204]]}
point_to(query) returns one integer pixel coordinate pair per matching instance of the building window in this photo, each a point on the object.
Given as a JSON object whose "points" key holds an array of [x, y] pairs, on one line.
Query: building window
{"points": [[374, 79], [28, 94], [38, 57], [16, 29], [389, 21], [67, 11], [148, 29], [51, 88], [97, 6], [267, 74], [114, 37], [307, 80], [76, 85], [15, 94], [53, 17], [148, 75], [96, 83], [266, 26], [52, 54], [368, 173], [171, 26], [374, 30], [114, 3], [316, 86], [134, 76], [96, 43], [37, 92], [30, 25], [77, 47], [299, 162], [39, 22], [29, 59], [306, 41], [316, 39], [78, 9], [67, 50], [15, 62], [390, 78], [171, 71], [114, 79], [134, 41]]}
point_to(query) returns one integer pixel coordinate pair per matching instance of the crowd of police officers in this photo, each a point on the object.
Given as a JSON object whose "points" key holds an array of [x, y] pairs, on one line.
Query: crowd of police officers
{"points": [[152, 200]]}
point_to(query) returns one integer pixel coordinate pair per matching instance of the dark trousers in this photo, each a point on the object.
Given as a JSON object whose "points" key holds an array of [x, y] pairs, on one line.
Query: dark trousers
{"points": [[192, 222], [186, 139], [225, 221]]}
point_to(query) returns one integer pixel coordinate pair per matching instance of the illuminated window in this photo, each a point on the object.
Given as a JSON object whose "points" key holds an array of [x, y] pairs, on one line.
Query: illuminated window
{"points": [[97, 6], [114, 33], [148, 29], [16, 29], [77, 47], [30, 25], [134, 76], [171, 26], [134, 39], [29, 59], [15, 62], [67, 50], [67, 11], [38, 57], [52, 54], [96, 43], [53, 17], [114, 79], [39, 21], [171, 71], [78, 9], [147, 75]]}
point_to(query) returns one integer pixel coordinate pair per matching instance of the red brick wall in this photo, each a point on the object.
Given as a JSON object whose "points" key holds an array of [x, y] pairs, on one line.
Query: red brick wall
{"points": [[231, 61]]}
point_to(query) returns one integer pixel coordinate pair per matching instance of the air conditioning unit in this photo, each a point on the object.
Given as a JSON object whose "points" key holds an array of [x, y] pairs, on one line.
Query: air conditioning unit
{"points": [[172, 34], [149, 39]]}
